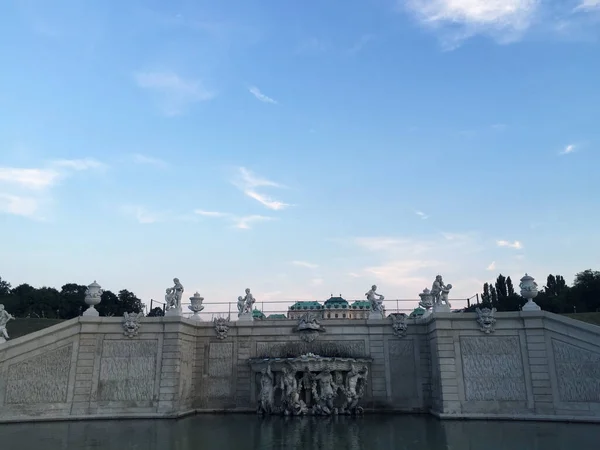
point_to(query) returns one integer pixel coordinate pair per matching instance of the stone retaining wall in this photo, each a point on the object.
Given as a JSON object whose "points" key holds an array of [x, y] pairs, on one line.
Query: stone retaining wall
{"points": [[534, 365]]}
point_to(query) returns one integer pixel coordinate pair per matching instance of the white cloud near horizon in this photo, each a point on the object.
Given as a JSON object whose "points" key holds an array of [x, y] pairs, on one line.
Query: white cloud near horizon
{"points": [[204, 213], [306, 264], [260, 96], [18, 205], [248, 182], [517, 245], [176, 92]]}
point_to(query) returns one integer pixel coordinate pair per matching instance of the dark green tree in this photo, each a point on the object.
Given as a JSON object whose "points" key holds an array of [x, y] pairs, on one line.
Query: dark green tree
{"points": [[494, 297], [501, 289], [586, 291], [4, 288], [72, 303], [510, 290], [486, 298], [156, 312]]}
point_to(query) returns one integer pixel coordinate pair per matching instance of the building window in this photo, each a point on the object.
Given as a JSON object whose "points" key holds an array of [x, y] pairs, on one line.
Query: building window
{"points": [[336, 315], [329, 316], [344, 315]]}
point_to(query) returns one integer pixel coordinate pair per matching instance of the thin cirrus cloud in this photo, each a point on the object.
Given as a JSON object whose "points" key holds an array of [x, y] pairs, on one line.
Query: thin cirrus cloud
{"points": [[305, 264], [422, 215], [260, 96], [176, 93], [248, 183], [517, 245], [492, 266], [588, 5], [239, 222]]}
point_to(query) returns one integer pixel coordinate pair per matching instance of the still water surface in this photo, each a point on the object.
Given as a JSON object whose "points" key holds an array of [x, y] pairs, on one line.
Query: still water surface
{"points": [[241, 432]]}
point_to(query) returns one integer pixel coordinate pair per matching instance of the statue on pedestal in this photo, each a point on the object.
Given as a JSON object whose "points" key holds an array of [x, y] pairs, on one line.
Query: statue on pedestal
{"points": [[290, 397], [375, 299], [246, 304], [4, 318], [173, 295]]}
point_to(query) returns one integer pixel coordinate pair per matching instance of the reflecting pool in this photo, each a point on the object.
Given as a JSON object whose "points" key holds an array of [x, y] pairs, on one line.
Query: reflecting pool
{"points": [[240, 432]]}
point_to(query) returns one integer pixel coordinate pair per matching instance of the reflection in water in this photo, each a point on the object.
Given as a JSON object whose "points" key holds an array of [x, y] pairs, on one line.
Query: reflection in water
{"points": [[240, 432]]}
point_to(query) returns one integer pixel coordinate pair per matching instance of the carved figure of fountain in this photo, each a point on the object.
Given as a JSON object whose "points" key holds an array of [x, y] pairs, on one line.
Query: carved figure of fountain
{"points": [[310, 384]]}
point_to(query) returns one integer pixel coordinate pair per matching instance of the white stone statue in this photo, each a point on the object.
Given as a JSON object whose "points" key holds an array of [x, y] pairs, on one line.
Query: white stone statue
{"points": [[249, 301], [529, 291], [290, 397], [173, 297], [267, 390], [4, 318], [437, 288], [375, 299], [131, 323], [326, 393], [354, 389]]}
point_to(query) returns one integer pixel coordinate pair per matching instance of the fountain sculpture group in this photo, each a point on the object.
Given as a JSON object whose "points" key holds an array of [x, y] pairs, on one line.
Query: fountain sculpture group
{"points": [[311, 384]]}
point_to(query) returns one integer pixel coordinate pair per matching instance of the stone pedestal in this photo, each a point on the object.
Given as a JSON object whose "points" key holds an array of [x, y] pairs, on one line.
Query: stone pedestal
{"points": [[443, 308], [245, 317], [531, 306], [174, 312], [376, 315]]}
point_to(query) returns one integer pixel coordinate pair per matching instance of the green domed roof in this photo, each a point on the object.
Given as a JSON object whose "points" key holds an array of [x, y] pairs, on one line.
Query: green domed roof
{"points": [[277, 316], [417, 312], [337, 303], [258, 314], [306, 305], [361, 304]]}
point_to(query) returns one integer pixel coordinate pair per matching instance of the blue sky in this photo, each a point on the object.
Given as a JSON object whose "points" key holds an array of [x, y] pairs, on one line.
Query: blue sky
{"points": [[298, 148]]}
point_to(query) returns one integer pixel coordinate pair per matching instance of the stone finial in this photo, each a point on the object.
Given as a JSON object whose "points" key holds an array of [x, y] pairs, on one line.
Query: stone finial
{"points": [[196, 305], [486, 319], [93, 297], [4, 318], [529, 290], [131, 323]]}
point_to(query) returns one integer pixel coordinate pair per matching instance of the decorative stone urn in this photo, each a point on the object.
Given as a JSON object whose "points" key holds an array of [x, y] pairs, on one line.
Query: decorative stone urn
{"points": [[93, 297], [529, 291], [426, 301], [196, 305]]}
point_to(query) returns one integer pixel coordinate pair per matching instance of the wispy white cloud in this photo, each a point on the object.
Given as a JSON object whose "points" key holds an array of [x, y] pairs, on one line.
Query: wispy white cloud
{"points": [[248, 183], [79, 164], [204, 213], [421, 214], [139, 158], [506, 20], [317, 281], [517, 245], [492, 266], [176, 92], [30, 178], [260, 96], [38, 182], [18, 205], [588, 5], [245, 223], [143, 215], [568, 149], [308, 265], [239, 222]]}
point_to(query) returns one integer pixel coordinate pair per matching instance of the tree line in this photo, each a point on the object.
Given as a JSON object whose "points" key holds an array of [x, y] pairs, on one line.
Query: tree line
{"points": [[555, 296], [68, 302]]}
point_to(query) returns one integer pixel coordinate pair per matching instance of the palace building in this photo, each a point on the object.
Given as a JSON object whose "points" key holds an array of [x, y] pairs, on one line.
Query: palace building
{"points": [[333, 308]]}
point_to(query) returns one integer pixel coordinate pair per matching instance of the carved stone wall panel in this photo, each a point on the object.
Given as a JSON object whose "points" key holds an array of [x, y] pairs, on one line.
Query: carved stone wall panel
{"points": [[577, 372], [186, 370], [403, 370], [349, 349], [127, 370], [220, 370], [493, 368], [40, 379]]}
